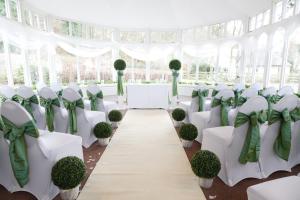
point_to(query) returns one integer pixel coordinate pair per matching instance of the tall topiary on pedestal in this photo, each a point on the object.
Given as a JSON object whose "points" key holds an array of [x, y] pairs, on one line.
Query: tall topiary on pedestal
{"points": [[175, 66], [120, 66]]}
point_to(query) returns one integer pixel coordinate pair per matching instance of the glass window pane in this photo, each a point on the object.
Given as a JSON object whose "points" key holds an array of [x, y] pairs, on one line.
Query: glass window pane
{"points": [[267, 17], [128, 71], [159, 71], [32, 57], [66, 70], [188, 35], [102, 34], [88, 71], [61, 27], [201, 33], [2, 8], [252, 23], [3, 75], [259, 20], [278, 12], [163, 37], [292, 70], [261, 58], [44, 64], [13, 9], [17, 64], [132, 36], [290, 6], [106, 67]]}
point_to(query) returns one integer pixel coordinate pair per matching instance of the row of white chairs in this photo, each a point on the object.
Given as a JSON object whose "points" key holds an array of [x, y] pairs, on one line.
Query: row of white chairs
{"points": [[227, 141]]}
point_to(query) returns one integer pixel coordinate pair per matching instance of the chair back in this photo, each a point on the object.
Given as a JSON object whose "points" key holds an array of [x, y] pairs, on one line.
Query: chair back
{"points": [[71, 94], [15, 113], [93, 89], [74, 86], [40, 85], [56, 87], [249, 92], [7, 91], [25, 92], [270, 91], [256, 86], [238, 86], [47, 93], [286, 90], [221, 86]]}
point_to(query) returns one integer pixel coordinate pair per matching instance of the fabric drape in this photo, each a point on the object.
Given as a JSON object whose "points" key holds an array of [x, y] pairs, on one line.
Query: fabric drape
{"points": [[175, 75], [120, 90], [93, 99], [200, 94], [27, 103]]}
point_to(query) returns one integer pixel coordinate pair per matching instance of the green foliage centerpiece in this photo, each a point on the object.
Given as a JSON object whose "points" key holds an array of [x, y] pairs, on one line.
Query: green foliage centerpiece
{"points": [[175, 66], [206, 165], [67, 175], [120, 66]]}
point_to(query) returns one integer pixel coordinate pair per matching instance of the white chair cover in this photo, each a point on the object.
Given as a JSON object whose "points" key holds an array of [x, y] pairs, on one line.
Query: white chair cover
{"points": [[38, 111], [227, 143], [286, 90], [278, 189], [270, 91], [238, 86], [60, 114], [269, 161], [256, 86], [86, 120], [7, 91], [40, 85], [208, 119], [42, 152]]}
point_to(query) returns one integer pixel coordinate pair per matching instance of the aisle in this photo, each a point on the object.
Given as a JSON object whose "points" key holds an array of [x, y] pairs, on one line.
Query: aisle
{"points": [[144, 160]]}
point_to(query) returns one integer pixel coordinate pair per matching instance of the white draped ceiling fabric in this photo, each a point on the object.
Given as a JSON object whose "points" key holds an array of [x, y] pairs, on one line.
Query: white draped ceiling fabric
{"points": [[152, 14]]}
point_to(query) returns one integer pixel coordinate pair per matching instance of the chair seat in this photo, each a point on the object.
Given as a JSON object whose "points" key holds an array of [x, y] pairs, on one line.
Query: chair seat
{"points": [[95, 116], [110, 105], [200, 116], [278, 189]]}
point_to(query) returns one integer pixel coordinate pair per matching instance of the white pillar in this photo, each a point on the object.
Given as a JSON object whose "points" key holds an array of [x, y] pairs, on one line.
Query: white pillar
{"points": [[40, 69], [78, 70], [284, 59], [27, 75], [8, 64], [7, 8]]}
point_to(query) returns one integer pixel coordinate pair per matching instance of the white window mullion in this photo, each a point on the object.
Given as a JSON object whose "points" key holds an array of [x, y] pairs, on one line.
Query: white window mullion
{"points": [[8, 64], [19, 11], [7, 8]]}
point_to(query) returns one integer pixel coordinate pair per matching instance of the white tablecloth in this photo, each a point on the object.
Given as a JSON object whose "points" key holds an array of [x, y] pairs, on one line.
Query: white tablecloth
{"points": [[148, 96]]}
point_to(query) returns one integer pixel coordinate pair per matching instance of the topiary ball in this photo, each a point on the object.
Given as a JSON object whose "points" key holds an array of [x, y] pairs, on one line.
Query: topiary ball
{"points": [[175, 65], [115, 116], [119, 64], [68, 172], [102, 130], [206, 164], [188, 132], [178, 114]]}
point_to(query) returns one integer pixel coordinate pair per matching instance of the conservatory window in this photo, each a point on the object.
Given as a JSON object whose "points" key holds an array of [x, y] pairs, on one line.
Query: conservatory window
{"points": [[128, 72], [234, 28], [189, 69], [27, 17], [3, 75], [32, 58], [102, 34], [66, 70], [261, 54], [132, 36], [188, 35], [201, 33], [44, 64], [252, 23], [292, 68], [16, 64], [13, 10], [267, 15], [163, 37], [217, 31], [277, 49], [106, 67], [77, 29], [87, 69], [43, 23], [259, 20], [159, 70], [2, 8], [61, 27], [278, 11], [290, 7]]}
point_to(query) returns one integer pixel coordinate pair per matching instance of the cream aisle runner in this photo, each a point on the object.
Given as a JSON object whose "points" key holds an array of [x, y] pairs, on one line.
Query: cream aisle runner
{"points": [[145, 160]]}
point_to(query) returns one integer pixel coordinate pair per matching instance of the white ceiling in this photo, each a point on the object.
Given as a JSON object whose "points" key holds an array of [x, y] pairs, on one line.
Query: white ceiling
{"points": [[151, 14]]}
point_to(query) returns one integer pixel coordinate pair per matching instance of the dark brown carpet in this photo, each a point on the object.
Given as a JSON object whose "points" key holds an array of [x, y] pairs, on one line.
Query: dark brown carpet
{"points": [[219, 190]]}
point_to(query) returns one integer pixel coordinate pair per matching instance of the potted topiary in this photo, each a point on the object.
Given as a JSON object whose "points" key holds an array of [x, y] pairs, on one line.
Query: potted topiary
{"points": [[120, 66], [103, 131], [178, 115], [67, 174], [114, 117], [206, 165], [187, 133]]}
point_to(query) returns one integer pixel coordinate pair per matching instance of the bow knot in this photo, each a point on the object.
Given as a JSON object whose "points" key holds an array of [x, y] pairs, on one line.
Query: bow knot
{"points": [[286, 115], [200, 94], [253, 119], [224, 104], [71, 107], [93, 98], [48, 104]]}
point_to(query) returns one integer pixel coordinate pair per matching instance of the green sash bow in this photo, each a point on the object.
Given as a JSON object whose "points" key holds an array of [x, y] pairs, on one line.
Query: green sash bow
{"points": [[120, 83], [224, 104], [237, 95], [200, 94], [271, 99], [18, 148], [282, 143], [93, 98], [71, 107], [240, 101], [214, 92], [175, 75], [80, 92], [251, 147], [13, 98], [277, 98], [59, 93], [48, 105], [26, 103]]}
